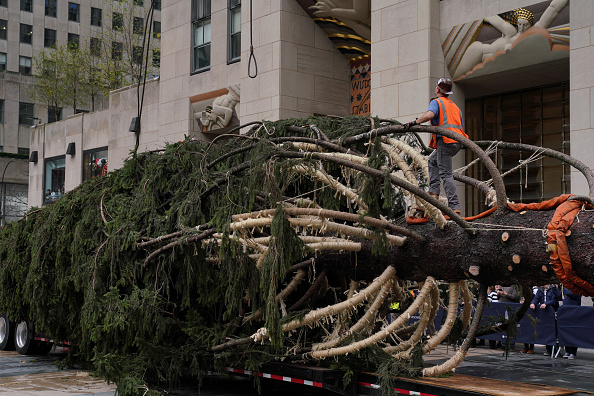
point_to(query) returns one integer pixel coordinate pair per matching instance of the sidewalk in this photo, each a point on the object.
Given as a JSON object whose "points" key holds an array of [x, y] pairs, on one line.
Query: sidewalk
{"points": [[577, 374]]}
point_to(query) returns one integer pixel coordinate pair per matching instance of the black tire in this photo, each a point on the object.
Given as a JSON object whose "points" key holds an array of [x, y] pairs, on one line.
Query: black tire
{"points": [[43, 347], [6, 334], [23, 334]]}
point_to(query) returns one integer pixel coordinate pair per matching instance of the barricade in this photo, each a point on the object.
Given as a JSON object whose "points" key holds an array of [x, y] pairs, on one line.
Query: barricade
{"points": [[574, 324]]}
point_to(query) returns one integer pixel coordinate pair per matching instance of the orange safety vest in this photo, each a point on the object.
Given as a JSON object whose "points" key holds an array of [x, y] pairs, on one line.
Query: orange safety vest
{"points": [[450, 117]]}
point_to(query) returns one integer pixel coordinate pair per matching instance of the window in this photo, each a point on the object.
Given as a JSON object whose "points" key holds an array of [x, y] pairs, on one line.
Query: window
{"points": [[138, 27], [95, 46], [116, 50], [234, 45], [96, 16], [51, 7], [117, 21], [74, 12], [24, 65], [157, 58], [73, 41], [2, 61], [26, 113], [201, 35], [157, 30], [139, 2], [1, 111], [27, 5], [137, 55], [26, 34], [79, 111], [49, 38], [536, 116], [157, 4], [3, 26], [54, 114], [3, 3], [55, 175], [94, 163]]}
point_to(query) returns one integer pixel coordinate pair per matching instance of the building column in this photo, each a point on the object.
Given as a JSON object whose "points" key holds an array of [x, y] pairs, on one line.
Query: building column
{"points": [[581, 86]]}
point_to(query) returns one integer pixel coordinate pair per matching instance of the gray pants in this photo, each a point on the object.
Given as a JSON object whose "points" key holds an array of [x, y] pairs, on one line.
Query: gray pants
{"points": [[440, 170]]}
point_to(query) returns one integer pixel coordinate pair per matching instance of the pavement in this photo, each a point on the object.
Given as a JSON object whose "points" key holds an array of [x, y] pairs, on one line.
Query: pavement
{"points": [[577, 374]]}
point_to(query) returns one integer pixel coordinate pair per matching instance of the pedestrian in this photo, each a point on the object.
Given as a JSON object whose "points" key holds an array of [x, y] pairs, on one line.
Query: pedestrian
{"points": [[444, 113], [571, 299], [529, 348], [547, 296], [493, 297]]}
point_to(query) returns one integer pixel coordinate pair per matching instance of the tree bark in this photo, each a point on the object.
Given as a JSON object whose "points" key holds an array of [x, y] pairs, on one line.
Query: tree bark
{"points": [[448, 254]]}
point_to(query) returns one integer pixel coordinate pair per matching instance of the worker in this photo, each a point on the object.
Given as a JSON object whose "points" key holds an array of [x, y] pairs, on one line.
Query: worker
{"points": [[444, 113]]}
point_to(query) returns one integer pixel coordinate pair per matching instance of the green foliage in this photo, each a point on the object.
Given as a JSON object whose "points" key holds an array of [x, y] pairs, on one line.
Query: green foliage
{"points": [[90, 269]]}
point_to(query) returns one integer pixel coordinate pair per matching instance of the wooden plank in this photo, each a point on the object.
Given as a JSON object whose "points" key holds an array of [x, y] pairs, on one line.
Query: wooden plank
{"points": [[493, 387]]}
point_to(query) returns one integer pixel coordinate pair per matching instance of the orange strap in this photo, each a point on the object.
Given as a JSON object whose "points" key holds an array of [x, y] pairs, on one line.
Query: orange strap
{"points": [[563, 218]]}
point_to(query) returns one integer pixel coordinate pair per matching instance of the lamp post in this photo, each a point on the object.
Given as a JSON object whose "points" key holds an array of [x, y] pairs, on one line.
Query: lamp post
{"points": [[4, 190]]}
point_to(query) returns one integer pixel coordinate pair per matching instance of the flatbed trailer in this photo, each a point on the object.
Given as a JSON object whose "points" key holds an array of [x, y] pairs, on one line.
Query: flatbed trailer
{"points": [[367, 384], [22, 337]]}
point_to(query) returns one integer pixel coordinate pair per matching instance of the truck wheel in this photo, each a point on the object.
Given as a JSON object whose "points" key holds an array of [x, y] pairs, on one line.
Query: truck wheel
{"points": [[6, 334], [43, 347], [22, 338]]}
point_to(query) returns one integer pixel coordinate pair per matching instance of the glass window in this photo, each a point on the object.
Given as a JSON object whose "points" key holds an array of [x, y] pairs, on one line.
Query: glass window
{"points": [[157, 58], [27, 5], [157, 4], [25, 65], [51, 7], [49, 38], [234, 45], [26, 34], [156, 29], [94, 163], [54, 114], [117, 21], [74, 12], [138, 27], [26, 113], [539, 117], [137, 55], [3, 26], [96, 16], [2, 61], [201, 45], [201, 35], [116, 50], [73, 41], [139, 2], [1, 111], [3, 3], [95, 46], [55, 175]]}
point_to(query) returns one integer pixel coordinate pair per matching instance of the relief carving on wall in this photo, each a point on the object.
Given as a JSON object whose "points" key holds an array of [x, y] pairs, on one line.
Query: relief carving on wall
{"points": [[216, 114], [506, 41]]}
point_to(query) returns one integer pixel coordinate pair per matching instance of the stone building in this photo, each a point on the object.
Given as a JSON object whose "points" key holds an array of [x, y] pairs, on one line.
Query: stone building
{"points": [[522, 73], [28, 27]]}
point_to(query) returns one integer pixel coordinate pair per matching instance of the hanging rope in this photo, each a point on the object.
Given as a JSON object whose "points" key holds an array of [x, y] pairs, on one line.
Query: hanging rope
{"points": [[252, 56]]}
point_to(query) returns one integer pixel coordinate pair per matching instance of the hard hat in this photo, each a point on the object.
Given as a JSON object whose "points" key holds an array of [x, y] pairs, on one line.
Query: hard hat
{"points": [[445, 86]]}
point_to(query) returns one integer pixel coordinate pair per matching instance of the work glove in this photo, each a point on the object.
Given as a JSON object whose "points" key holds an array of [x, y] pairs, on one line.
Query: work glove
{"points": [[407, 126]]}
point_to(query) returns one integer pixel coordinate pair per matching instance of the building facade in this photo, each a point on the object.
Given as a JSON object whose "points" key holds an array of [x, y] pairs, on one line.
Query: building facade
{"points": [[28, 27], [521, 70]]}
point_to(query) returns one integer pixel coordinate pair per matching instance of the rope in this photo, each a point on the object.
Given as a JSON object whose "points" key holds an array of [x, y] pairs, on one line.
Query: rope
{"points": [[566, 211], [252, 56]]}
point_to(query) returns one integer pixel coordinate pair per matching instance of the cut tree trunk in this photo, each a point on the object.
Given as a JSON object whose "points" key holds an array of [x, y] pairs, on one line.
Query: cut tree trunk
{"points": [[450, 253]]}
